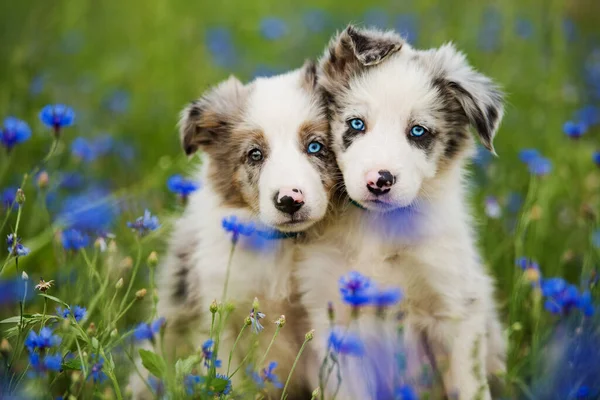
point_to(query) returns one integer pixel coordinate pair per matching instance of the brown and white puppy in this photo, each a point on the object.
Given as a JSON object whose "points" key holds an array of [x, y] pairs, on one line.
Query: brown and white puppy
{"points": [[400, 122], [267, 161]]}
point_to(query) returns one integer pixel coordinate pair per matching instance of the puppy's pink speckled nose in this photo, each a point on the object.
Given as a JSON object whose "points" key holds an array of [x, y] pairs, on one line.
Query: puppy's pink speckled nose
{"points": [[289, 200], [379, 181]]}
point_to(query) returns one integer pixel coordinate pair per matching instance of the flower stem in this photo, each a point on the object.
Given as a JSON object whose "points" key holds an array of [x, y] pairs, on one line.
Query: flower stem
{"points": [[44, 312], [91, 265], [124, 311], [137, 371], [15, 241], [222, 317], [233, 348], [241, 364], [269, 347], [133, 275], [152, 289], [212, 325], [287, 382], [227, 273]]}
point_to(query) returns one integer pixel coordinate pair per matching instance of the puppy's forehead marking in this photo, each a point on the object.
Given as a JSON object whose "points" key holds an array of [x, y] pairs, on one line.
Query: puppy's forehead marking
{"points": [[386, 90], [280, 105]]}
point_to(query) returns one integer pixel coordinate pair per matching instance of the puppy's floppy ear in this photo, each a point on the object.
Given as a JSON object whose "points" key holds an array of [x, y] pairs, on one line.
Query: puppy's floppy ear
{"points": [[479, 97], [354, 49], [207, 121]]}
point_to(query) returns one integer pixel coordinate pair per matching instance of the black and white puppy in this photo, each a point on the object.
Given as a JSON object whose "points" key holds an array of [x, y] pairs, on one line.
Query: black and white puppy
{"points": [[400, 122]]}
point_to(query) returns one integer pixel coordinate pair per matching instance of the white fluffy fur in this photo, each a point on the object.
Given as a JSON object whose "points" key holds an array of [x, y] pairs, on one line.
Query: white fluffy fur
{"points": [[428, 250], [280, 107]]}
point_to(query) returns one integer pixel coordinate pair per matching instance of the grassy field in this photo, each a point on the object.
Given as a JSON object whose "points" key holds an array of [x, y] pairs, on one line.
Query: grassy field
{"points": [[127, 68]]}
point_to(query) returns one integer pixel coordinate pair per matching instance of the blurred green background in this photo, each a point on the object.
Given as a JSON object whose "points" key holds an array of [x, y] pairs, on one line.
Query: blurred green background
{"points": [[128, 68]]}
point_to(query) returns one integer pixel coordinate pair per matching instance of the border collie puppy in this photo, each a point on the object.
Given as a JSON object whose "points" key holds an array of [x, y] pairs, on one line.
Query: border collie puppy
{"points": [[266, 161], [400, 122]]}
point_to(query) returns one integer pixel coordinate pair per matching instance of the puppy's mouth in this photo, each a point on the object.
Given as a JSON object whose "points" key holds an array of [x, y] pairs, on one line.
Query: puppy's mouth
{"points": [[379, 205], [294, 224]]}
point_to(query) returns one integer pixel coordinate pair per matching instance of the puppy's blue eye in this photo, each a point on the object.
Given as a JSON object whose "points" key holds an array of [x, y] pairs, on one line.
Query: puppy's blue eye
{"points": [[357, 124], [314, 147], [417, 131]]}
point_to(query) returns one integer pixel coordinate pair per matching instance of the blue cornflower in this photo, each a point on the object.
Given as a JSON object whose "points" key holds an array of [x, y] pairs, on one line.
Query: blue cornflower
{"points": [[37, 85], [91, 211], [82, 149], [14, 132], [96, 373], [269, 376], [490, 29], [562, 297], [553, 286], [57, 116], [63, 312], [589, 115], [406, 25], [157, 386], [585, 304], [190, 382], [13, 290], [15, 247], [596, 239], [356, 289], [207, 353], [525, 263], [345, 342], [146, 331], [227, 388], [51, 362], [386, 297], [42, 341], [237, 229], [528, 155], [125, 151], [596, 158], [145, 224], [221, 47], [523, 28], [406, 392], [183, 187], [79, 313], [273, 28], [376, 17], [9, 196], [540, 166], [255, 317], [574, 130], [71, 180], [103, 144], [315, 20], [117, 101], [72, 239], [570, 360]]}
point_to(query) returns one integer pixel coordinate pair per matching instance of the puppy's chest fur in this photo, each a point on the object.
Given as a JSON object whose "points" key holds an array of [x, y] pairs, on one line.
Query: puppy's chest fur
{"points": [[436, 269]]}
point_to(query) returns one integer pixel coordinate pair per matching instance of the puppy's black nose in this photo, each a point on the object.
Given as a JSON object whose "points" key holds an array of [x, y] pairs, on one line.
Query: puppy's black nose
{"points": [[289, 200], [380, 182]]}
